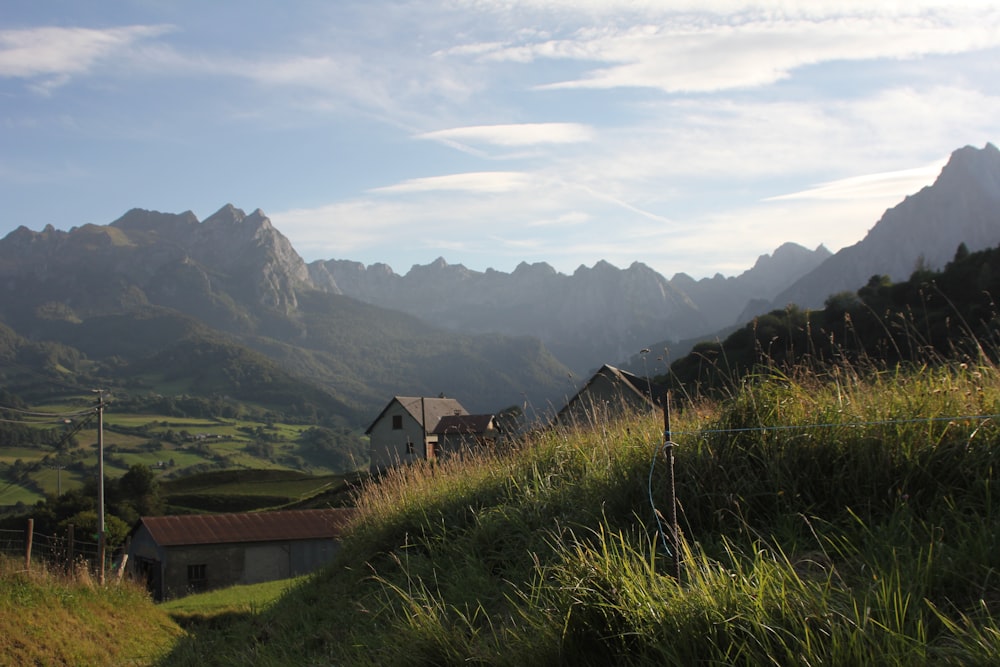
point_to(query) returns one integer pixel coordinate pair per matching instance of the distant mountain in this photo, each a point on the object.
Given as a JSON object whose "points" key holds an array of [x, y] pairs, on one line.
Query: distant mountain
{"points": [[587, 318], [597, 313], [924, 230], [722, 300], [151, 290]]}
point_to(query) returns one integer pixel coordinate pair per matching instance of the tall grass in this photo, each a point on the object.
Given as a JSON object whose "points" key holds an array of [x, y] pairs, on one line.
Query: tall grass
{"points": [[834, 518], [48, 617]]}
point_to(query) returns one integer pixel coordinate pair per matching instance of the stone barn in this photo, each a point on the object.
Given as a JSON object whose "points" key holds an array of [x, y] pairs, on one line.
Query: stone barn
{"points": [[177, 555]]}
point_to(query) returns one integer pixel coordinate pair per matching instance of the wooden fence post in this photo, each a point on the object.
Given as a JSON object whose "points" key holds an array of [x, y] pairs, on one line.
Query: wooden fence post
{"points": [[28, 536], [70, 545]]}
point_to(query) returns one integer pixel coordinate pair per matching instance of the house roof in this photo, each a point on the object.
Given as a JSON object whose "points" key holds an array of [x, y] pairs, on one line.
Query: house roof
{"points": [[639, 387], [421, 408], [246, 526], [463, 424]]}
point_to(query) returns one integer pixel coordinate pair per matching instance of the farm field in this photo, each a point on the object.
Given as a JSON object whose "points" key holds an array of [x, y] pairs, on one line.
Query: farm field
{"points": [[172, 448]]}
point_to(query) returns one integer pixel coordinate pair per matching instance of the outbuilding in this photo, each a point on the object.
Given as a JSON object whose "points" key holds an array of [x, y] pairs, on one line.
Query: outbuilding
{"points": [[609, 394], [460, 434], [177, 555]]}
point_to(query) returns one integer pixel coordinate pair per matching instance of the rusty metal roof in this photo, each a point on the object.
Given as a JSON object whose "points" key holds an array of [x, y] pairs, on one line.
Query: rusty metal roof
{"points": [[246, 526]]}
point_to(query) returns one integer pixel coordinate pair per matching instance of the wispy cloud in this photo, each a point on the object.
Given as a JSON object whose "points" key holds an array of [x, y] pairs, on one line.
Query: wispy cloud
{"points": [[892, 184], [55, 53], [696, 52], [484, 181], [521, 134]]}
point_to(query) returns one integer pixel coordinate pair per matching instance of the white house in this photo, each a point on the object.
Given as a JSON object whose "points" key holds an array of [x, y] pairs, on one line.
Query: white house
{"points": [[404, 431]]}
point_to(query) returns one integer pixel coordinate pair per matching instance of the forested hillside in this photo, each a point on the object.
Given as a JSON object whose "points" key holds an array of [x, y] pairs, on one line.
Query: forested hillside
{"points": [[946, 314]]}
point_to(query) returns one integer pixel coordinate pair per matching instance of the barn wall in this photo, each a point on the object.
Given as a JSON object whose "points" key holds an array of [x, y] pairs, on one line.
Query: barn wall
{"points": [[266, 562], [223, 567], [232, 564], [142, 545], [309, 555]]}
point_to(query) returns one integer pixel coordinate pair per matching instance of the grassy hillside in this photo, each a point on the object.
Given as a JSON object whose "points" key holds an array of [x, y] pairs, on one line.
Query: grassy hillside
{"points": [[843, 518], [53, 619]]}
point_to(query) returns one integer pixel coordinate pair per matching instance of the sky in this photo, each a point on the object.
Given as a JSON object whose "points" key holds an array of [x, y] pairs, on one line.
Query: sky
{"points": [[691, 135]]}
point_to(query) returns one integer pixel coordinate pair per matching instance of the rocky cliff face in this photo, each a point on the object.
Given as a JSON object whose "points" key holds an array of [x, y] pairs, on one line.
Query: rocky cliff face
{"points": [[255, 259], [962, 206], [233, 271]]}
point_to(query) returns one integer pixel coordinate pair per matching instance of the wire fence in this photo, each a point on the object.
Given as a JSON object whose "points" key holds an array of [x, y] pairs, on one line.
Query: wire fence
{"points": [[59, 551]]}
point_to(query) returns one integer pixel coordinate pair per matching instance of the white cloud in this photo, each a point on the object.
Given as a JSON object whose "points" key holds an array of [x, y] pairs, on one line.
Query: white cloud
{"points": [[698, 52], [521, 134], [892, 184], [59, 52], [484, 182]]}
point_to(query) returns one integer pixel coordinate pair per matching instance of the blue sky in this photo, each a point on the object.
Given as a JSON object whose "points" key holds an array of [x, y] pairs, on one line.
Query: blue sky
{"points": [[690, 136]]}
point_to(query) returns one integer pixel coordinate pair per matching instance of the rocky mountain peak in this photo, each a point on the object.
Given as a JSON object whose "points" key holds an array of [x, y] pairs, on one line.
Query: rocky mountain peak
{"points": [[538, 268], [961, 206], [227, 215], [970, 165]]}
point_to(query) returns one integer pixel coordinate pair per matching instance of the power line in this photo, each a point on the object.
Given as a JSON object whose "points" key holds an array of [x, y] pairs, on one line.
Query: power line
{"points": [[52, 415]]}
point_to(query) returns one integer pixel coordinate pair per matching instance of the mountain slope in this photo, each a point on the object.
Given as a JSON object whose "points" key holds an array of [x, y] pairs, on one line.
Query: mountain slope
{"points": [[962, 206], [150, 285], [722, 300]]}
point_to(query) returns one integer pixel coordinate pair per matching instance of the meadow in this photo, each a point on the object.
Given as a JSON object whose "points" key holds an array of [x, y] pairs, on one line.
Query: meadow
{"points": [[825, 517]]}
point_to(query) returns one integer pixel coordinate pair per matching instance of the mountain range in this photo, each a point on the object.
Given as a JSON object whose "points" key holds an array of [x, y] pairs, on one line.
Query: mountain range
{"points": [[227, 307]]}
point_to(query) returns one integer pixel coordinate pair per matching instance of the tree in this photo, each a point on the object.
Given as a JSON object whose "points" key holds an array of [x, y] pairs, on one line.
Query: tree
{"points": [[85, 523], [140, 489]]}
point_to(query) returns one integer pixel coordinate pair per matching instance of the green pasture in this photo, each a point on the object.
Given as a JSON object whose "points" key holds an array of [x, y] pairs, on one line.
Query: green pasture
{"points": [[88, 438], [12, 494], [10, 454], [227, 440], [288, 483], [249, 598], [244, 460], [52, 479]]}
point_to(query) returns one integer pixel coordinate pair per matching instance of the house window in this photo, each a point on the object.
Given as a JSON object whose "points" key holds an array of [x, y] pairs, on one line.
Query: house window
{"points": [[397, 422], [197, 579], [409, 446]]}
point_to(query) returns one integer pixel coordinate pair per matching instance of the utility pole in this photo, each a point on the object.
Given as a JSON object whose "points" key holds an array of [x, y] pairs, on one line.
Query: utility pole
{"points": [[100, 486]]}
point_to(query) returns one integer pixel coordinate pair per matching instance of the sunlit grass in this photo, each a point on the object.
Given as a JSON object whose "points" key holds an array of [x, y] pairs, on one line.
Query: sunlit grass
{"points": [[50, 618], [246, 599], [827, 518]]}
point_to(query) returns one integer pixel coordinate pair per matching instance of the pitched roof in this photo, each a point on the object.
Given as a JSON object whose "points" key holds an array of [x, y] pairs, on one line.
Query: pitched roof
{"points": [[639, 387], [463, 424], [246, 526], [422, 407]]}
